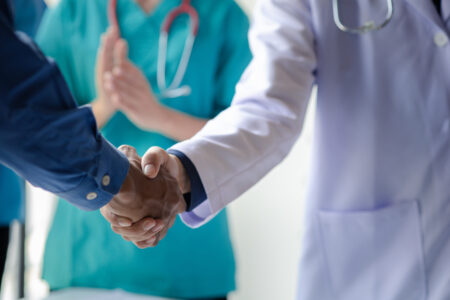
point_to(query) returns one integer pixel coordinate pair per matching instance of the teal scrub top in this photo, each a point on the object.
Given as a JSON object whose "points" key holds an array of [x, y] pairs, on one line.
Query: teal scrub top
{"points": [[11, 197], [81, 249], [27, 15]]}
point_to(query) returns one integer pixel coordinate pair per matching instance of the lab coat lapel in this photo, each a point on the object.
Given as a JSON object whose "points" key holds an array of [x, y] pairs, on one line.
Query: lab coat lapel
{"points": [[426, 9]]}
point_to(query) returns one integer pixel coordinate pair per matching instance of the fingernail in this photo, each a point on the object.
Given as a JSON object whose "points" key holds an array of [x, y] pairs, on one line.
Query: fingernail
{"points": [[148, 225], [150, 241], [149, 169], [159, 228], [124, 223]]}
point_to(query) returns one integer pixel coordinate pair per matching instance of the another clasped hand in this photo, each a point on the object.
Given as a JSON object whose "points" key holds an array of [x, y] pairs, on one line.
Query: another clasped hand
{"points": [[146, 206]]}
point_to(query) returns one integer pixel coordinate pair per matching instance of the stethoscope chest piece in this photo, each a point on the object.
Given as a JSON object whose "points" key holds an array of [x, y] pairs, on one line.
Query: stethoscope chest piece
{"points": [[367, 26]]}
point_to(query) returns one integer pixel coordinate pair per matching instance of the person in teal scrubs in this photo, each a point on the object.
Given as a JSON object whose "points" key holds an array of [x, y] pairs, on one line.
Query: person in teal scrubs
{"points": [[81, 249]]}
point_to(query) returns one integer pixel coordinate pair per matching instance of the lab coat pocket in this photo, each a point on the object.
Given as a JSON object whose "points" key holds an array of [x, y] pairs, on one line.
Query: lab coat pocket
{"points": [[374, 255]]}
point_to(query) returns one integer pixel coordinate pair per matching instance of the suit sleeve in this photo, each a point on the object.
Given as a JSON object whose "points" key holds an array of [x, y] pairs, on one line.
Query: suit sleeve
{"points": [[44, 136]]}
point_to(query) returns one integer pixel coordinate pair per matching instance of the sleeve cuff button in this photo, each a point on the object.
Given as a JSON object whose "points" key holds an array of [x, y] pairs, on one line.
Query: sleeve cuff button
{"points": [[91, 196], [106, 180]]}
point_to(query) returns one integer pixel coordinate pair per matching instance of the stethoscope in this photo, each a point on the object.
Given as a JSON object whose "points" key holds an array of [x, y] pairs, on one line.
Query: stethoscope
{"points": [[174, 89], [368, 26]]}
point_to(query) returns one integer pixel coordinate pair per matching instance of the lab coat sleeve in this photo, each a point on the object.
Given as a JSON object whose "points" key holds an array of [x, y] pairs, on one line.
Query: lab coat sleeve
{"points": [[234, 56], [243, 143], [44, 137]]}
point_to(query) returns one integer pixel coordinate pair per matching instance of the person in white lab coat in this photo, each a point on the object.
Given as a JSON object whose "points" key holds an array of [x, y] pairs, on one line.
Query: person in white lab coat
{"points": [[378, 209]]}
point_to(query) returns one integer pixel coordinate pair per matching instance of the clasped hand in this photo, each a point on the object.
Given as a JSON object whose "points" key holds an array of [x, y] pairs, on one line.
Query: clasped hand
{"points": [[147, 204]]}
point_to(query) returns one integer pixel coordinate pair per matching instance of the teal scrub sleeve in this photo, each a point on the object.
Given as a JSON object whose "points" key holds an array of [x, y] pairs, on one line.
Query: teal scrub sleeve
{"points": [[51, 37], [11, 196], [234, 58]]}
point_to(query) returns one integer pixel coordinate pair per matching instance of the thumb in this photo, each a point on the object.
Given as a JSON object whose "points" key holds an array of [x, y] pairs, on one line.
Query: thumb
{"points": [[105, 51], [153, 159]]}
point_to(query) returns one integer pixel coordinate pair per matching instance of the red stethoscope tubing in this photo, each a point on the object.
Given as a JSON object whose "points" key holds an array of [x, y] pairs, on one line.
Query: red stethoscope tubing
{"points": [[175, 89], [184, 8]]}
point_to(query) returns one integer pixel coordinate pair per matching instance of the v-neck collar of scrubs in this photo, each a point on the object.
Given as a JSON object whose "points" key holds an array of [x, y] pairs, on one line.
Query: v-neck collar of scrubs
{"points": [[129, 9]]}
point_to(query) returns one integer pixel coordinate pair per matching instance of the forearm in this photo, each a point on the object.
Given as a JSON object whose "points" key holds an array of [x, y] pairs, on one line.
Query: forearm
{"points": [[45, 137], [102, 113], [177, 125]]}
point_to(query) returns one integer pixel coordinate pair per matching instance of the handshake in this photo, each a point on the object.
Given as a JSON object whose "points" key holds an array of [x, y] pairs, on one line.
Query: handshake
{"points": [[150, 198]]}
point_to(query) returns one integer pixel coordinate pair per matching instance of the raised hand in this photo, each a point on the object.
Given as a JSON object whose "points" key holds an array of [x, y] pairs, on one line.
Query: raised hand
{"points": [[131, 92], [102, 106], [145, 208]]}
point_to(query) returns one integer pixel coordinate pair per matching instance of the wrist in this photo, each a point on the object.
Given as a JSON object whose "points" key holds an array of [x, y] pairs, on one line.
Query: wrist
{"points": [[160, 116], [182, 177], [102, 111], [103, 107]]}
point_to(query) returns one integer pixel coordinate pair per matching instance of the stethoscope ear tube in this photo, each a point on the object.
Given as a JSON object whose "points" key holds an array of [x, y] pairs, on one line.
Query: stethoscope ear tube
{"points": [[368, 26], [174, 90]]}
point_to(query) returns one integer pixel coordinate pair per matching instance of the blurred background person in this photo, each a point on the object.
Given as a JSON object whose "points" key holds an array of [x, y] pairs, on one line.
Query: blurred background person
{"points": [[11, 208], [27, 16], [81, 250]]}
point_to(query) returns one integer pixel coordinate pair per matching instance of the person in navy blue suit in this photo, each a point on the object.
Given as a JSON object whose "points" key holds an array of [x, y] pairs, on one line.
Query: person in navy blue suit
{"points": [[55, 145], [27, 16]]}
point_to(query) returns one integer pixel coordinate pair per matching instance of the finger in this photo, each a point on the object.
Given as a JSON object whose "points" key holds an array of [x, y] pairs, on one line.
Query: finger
{"points": [[122, 102], [163, 232], [136, 238], [115, 220], [145, 227], [152, 161], [147, 244], [100, 54], [120, 52], [134, 79], [129, 90], [108, 49], [130, 153], [121, 97], [132, 74], [152, 242]]}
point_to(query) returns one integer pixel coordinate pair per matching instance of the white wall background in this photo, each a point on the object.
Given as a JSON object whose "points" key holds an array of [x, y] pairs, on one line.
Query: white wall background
{"points": [[265, 225]]}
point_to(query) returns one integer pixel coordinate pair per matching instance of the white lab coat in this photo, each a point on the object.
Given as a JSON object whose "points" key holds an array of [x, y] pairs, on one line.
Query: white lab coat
{"points": [[378, 209]]}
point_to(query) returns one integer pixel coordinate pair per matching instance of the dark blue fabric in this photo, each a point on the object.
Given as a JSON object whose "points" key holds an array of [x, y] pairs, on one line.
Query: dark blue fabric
{"points": [[437, 3], [44, 137], [198, 194], [27, 16]]}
